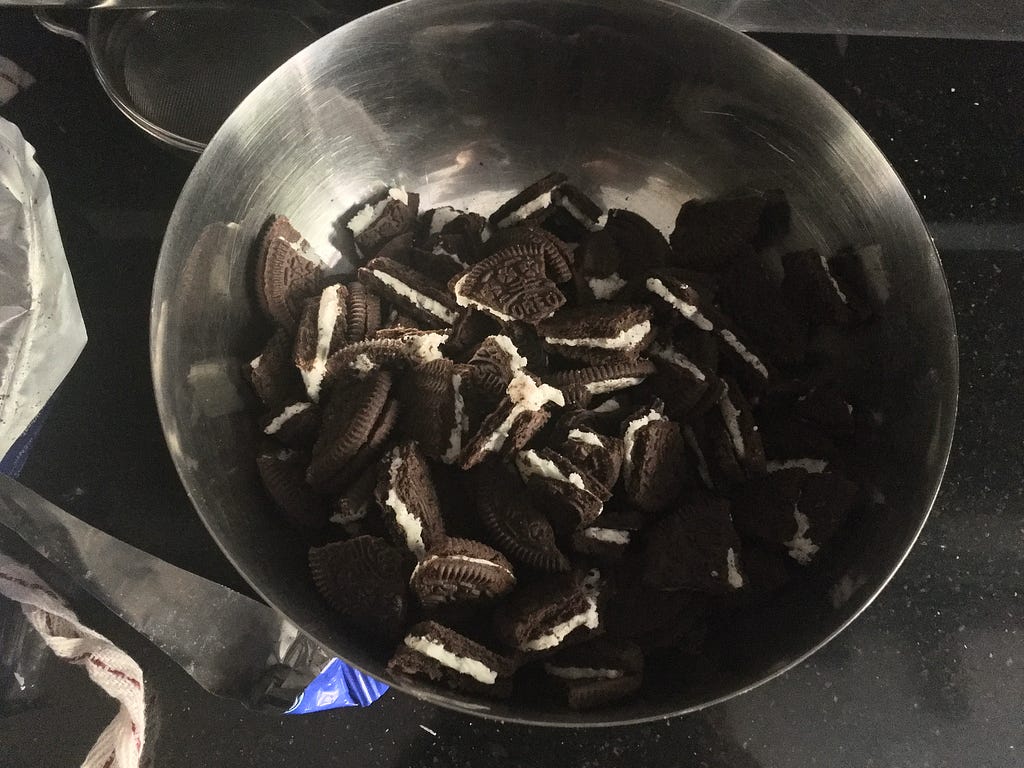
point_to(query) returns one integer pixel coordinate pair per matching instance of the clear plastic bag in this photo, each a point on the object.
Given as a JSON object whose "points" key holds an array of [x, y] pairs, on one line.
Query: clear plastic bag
{"points": [[41, 327]]}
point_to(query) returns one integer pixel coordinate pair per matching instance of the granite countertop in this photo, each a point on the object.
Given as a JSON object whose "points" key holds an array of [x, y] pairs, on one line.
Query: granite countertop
{"points": [[931, 675]]}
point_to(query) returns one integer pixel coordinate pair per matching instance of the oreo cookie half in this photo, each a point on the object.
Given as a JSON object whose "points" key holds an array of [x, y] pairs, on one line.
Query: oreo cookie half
{"points": [[376, 223], [529, 205], [322, 330], [510, 285], [599, 332], [642, 246], [597, 275], [569, 503], [364, 579], [583, 383], [694, 548], [515, 526], [413, 293], [405, 492], [654, 464], [283, 473], [295, 424], [287, 272], [272, 373], [461, 570], [438, 653], [597, 456], [549, 614], [597, 673]]}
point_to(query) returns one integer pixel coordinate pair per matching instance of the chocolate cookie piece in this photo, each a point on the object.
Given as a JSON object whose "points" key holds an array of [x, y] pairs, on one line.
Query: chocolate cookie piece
{"points": [[495, 361], [763, 507], [510, 285], [359, 360], [272, 373], [863, 279], [461, 570], [602, 542], [294, 424], [322, 330], [413, 293], [827, 500], [598, 333], [583, 383], [828, 407], [642, 246], [812, 289], [369, 453], [558, 256], [752, 299], [653, 466], [748, 366], [708, 234], [364, 579], [573, 215], [515, 526], [283, 473], [436, 416], [595, 674], [406, 495], [685, 387], [681, 298], [743, 433], [519, 416], [554, 613], [694, 548], [452, 235], [438, 653], [287, 272], [390, 215], [598, 275], [651, 618], [349, 417], [597, 456], [529, 205], [470, 328], [567, 500], [695, 440], [356, 510]]}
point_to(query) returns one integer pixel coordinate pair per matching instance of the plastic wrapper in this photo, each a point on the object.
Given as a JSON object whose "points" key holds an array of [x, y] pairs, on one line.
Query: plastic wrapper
{"points": [[41, 328]]}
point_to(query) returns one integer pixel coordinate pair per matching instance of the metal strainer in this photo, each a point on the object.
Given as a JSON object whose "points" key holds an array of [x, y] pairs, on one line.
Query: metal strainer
{"points": [[178, 74]]}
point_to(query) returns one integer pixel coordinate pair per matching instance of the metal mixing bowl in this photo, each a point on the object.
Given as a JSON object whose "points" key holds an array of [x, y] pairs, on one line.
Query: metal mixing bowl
{"points": [[645, 105]]}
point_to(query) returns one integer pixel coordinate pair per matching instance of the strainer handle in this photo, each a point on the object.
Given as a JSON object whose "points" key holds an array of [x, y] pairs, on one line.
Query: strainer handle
{"points": [[47, 20]]}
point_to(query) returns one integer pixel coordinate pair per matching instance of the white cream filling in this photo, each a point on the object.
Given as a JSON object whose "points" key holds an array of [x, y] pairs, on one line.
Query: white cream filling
{"points": [[612, 385], [801, 548], [731, 417], [752, 359], [526, 395], [279, 421], [732, 570], [427, 304], [629, 438], [515, 360], [440, 250], [582, 436], [460, 424], [372, 211], [582, 673], [831, 279], [607, 535], [689, 311], [255, 362], [702, 463], [407, 521], [363, 364], [441, 218], [465, 301], [435, 650], [424, 347], [326, 319], [606, 287], [461, 558], [589, 619], [579, 215], [624, 339], [531, 463], [811, 466], [670, 355], [537, 204], [609, 405]]}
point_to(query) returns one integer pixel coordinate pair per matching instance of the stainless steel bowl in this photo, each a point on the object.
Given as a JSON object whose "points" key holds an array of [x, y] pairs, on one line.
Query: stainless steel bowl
{"points": [[645, 105]]}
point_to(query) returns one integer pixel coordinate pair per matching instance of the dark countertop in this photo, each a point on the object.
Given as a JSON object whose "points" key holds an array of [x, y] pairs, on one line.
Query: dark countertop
{"points": [[931, 675]]}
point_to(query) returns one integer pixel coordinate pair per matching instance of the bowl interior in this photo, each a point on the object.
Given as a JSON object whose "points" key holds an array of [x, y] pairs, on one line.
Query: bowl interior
{"points": [[644, 105]]}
